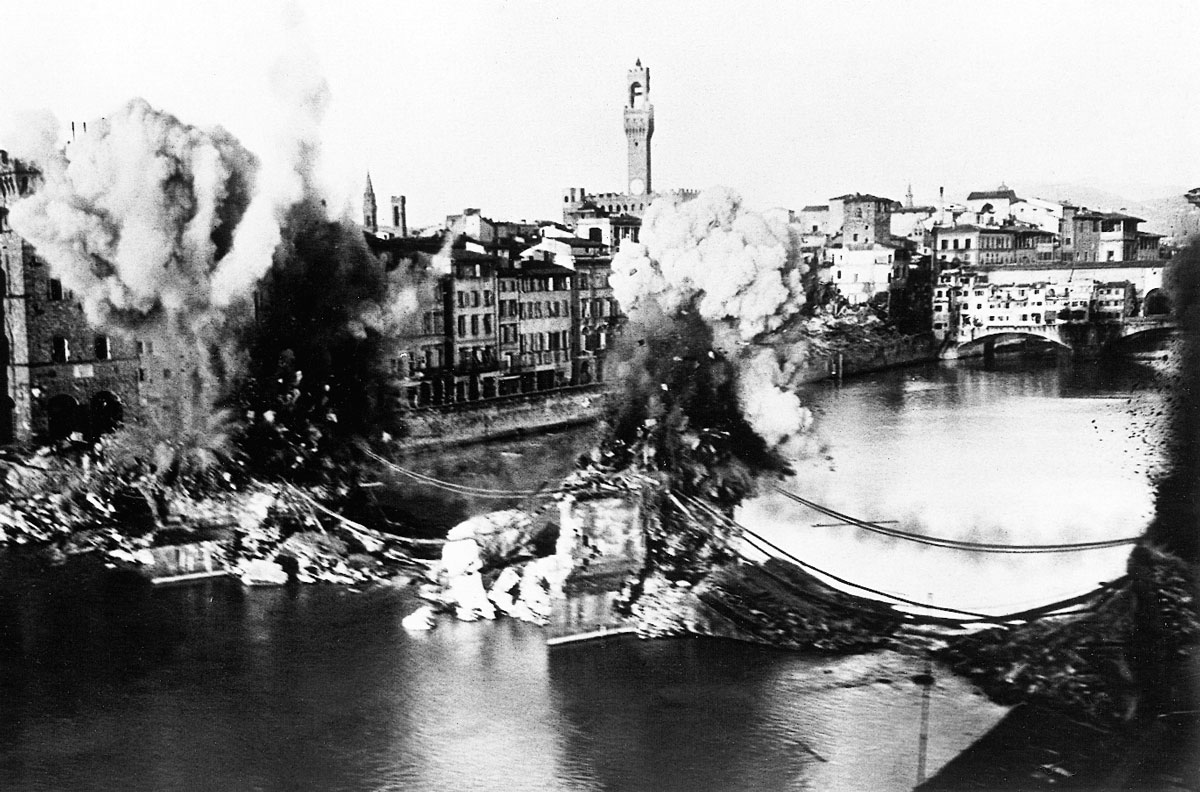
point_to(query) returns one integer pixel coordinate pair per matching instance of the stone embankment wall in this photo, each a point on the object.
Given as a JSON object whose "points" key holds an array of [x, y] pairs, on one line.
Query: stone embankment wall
{"points": [[902, 351], [493, 419]]}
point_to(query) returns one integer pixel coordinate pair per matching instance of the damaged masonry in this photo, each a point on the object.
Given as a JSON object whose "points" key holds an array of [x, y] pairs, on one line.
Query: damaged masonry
{"points": [[375, 456]]}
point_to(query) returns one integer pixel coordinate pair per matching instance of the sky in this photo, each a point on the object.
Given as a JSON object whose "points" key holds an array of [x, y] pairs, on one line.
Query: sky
{"points": [[501, 105]]}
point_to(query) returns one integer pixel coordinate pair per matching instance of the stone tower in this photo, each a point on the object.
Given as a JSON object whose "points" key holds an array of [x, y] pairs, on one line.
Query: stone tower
{"points": [[370, 214], [639, 128]]}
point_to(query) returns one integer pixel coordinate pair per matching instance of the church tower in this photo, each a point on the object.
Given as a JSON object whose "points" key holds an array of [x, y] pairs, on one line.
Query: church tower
{"points": [[370, 213], [639, 128]]}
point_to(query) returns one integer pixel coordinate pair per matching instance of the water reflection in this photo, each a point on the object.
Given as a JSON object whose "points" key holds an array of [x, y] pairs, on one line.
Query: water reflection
{"points": [[105, 684], [318, 688]]}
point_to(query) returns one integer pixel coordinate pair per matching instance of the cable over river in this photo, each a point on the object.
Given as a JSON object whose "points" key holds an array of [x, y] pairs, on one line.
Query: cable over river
{"points": [[105, 685]]}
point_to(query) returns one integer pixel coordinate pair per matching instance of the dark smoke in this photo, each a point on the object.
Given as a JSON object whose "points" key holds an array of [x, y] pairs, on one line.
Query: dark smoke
{"points": [[1176, 525], [315, 375]]}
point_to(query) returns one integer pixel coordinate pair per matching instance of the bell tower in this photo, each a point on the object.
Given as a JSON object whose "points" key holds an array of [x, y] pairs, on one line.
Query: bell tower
{"points": [[639, 128], [370, 213]]}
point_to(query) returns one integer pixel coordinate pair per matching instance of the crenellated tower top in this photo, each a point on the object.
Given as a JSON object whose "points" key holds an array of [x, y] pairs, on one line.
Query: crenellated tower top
{"points": [[639, 128]]}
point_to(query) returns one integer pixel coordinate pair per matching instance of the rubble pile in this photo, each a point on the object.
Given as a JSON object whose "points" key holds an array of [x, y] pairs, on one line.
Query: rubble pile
{"points": [[270, 532], [770, 603], [489, 567], [1100, 663]]}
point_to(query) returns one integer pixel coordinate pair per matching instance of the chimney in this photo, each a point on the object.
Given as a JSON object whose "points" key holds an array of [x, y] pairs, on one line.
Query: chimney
{"points": [[572, 195]]}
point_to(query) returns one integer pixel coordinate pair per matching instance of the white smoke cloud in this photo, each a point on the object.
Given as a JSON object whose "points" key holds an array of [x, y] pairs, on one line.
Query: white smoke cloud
{"points": [[130, 216], [300, 99], [741, 271], [743, 266]]}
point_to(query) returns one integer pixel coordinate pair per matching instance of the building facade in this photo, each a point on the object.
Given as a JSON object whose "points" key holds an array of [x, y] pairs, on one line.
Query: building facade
{"points": [[61, 378]]}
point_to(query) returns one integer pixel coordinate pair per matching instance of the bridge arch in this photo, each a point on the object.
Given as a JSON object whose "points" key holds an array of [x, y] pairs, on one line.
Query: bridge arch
{"points": [[1156, 303], [979, 342]]}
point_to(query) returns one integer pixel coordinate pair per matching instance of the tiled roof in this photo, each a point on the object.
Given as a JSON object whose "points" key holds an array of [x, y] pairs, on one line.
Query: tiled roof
{"points": [[861, 198], [983, 195]]}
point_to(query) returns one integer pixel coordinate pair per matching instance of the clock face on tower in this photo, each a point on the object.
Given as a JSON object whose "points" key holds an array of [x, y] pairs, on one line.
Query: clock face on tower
{"points": [[637, 186]]}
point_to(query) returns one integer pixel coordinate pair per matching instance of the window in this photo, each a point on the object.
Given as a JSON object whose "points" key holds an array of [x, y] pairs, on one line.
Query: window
{"points": [[101, 347], [966, 244], [487, 325], [462, 325], [55, 290], [474, 324], [61, 351], [141, 375], [945, 244]]}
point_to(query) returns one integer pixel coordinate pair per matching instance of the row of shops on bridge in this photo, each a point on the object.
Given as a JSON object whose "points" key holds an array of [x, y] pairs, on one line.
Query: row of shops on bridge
{"points": [[970, 303]]}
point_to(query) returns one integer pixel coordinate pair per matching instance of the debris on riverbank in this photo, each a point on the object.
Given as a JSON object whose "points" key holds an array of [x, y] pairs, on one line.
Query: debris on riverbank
{"points": [[266, 533], [769, 603], [1121, 659]]}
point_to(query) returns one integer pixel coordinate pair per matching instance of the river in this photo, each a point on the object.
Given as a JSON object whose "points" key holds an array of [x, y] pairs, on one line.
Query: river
{"points": [[108, 685]]}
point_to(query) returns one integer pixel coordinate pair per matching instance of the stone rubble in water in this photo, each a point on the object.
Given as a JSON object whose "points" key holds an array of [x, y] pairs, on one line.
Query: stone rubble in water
{"points": [[261, 572], [419, 620], [464, 584], [522, 590]]}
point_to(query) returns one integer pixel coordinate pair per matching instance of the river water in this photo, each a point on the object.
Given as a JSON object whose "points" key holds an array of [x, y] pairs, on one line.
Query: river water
{"points": [[108, 685]]}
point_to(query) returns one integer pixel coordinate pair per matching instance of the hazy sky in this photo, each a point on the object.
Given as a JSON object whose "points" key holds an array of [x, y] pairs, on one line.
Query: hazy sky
{"points": [[500, 105]]}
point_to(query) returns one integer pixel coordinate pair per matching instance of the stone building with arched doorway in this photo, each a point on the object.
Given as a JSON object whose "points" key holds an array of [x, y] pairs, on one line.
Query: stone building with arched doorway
{"points": [[59, 376]]}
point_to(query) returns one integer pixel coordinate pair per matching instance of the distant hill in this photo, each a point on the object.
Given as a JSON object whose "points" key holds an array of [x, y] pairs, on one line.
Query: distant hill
{"points": [[1171, 216]]}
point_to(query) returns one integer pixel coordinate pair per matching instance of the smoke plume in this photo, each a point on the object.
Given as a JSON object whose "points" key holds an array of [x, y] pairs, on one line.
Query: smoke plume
{"points": [[1176, 525], [138, 216], [231, 261], [739, 274]]}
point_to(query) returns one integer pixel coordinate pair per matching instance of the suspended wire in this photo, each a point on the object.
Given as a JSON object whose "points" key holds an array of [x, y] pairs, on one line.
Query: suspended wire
{"points": [[462, 489], [757, 540], [957, 544], [760, 542]]}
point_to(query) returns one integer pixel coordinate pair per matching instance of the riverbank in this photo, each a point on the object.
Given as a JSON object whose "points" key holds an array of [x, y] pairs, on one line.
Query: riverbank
{"points": [[469, 423]]}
